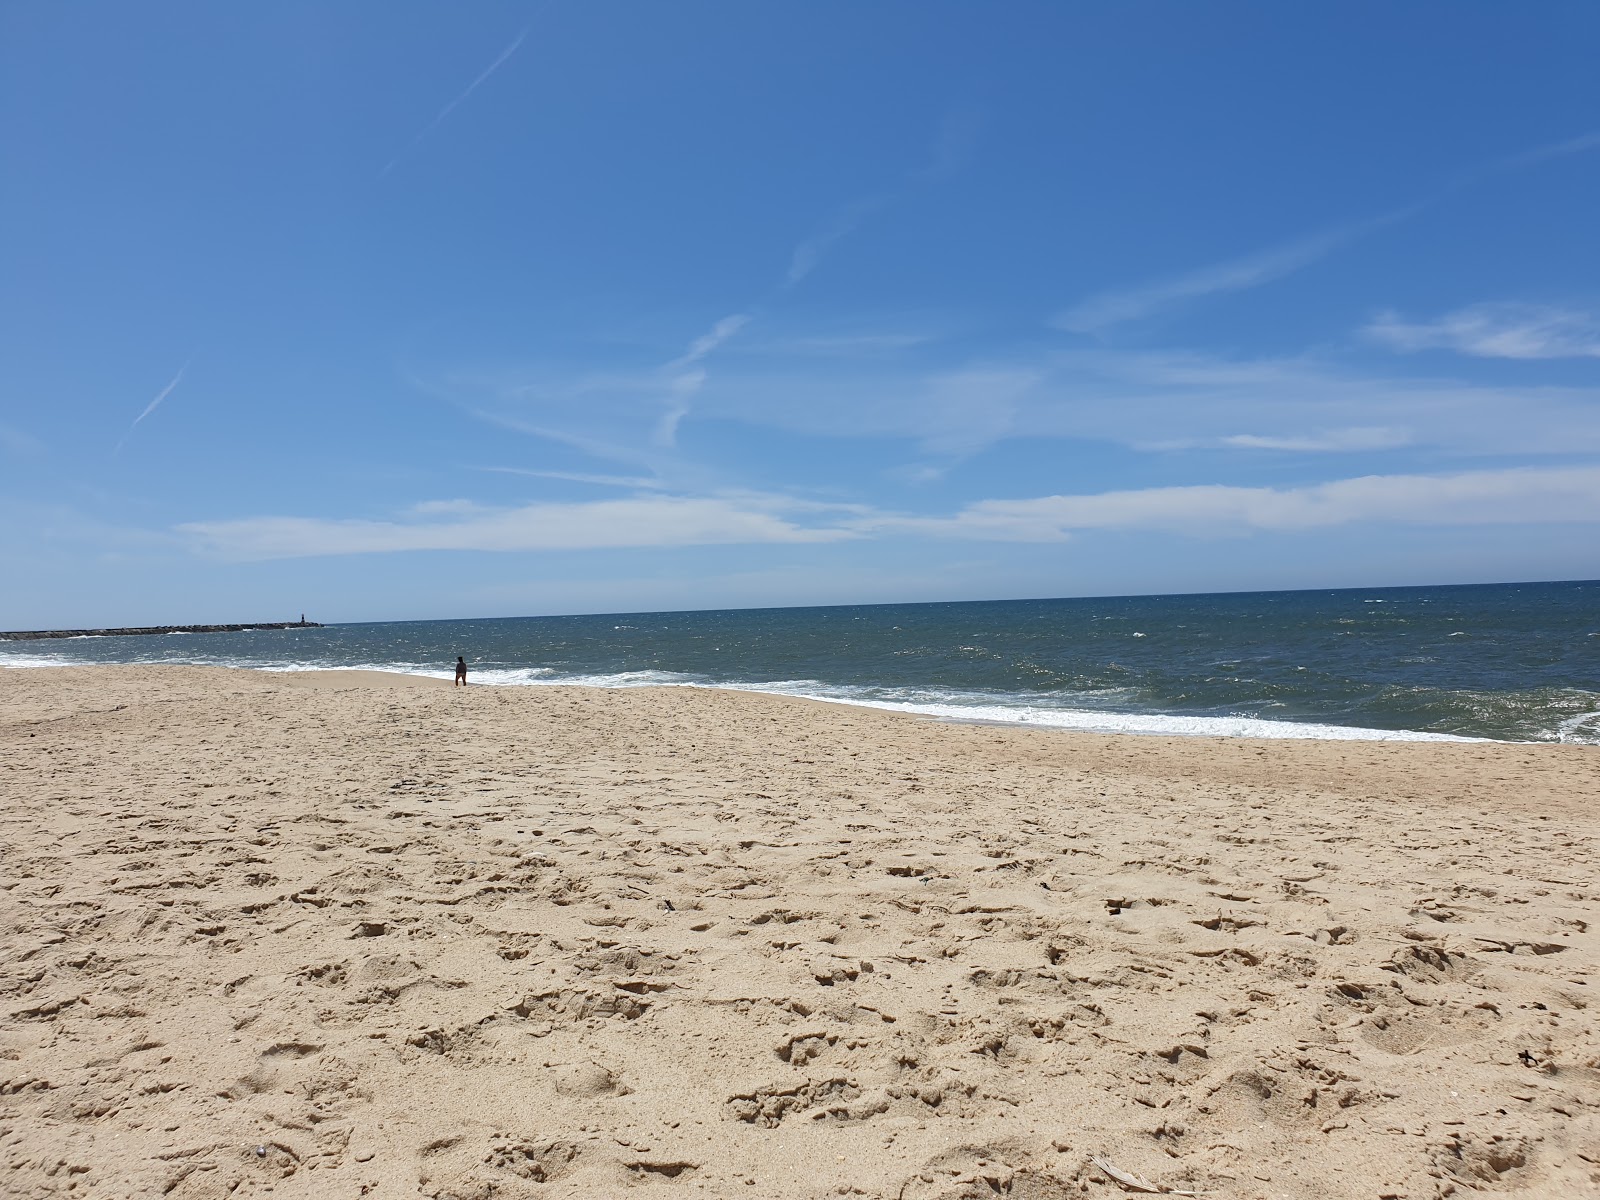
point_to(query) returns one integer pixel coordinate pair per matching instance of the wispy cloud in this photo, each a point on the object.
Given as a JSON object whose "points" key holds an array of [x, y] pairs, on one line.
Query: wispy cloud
{"points": [[1529, 495], [446, 508], [708, 341], [439, 117], [1100, 312], [952, 146], [1320, 441], [845, 345], [665, 396], [947, 408], [1526, 495], [635, 522], [808, 253], [620, 481], [595, 447], [47, 531], [1496, 331], [151, 407], [1110, 308], [1528, 158], [685, 376], [945, 405], [965, 410], [14, 441]]}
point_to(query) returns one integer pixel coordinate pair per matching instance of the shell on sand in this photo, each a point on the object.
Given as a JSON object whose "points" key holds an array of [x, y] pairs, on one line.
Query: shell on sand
{"points": [[1128, 1179]]}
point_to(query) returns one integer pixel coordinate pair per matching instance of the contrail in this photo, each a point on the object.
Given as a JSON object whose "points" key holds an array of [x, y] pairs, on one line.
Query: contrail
{"points": [[456, 103], [151, 407]]}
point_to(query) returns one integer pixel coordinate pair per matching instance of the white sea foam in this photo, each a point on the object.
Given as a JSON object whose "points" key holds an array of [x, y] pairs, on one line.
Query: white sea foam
{"points": [[1102, 721], [1168, 724], [948, 705], [1583, 729], [975, 707], [36, 660]]}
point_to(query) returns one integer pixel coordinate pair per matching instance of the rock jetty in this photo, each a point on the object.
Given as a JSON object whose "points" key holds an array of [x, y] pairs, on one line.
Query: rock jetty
{"points": [[32, 635]]}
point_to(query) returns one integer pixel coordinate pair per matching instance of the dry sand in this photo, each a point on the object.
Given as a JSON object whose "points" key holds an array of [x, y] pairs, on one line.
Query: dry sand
{"points": [[340, 935]]}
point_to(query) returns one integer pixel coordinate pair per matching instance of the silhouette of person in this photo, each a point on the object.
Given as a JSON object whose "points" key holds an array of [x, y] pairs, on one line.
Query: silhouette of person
{"points": [[461, 672]]}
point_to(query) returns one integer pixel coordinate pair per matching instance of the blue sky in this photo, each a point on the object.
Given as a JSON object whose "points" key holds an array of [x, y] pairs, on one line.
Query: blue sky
{"points": [[384, 311]]}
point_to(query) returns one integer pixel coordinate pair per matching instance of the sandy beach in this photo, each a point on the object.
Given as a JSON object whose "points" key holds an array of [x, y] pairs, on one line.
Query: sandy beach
{"points": [[346, 934]]}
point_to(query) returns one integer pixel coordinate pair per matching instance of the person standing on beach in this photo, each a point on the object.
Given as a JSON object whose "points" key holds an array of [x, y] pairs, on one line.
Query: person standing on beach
{"points": [[461, 672]]}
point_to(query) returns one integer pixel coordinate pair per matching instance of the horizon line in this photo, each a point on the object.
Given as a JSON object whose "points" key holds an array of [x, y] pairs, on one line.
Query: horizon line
{"points": [[1382, 587]]}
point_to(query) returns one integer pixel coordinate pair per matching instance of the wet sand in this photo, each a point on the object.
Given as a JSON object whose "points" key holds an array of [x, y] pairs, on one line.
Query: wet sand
{"points": [[343, 934]]}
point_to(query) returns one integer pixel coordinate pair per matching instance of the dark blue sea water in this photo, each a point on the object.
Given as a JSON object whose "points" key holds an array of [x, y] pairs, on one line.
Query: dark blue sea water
{"points": [[1507, 661]]}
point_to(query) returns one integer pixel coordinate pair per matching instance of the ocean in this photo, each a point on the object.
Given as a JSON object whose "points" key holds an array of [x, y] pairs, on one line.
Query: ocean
{"points": [[1512, 662]]}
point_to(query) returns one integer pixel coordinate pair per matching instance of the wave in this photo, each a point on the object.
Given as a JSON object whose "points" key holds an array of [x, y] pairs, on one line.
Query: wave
{"points": [[970, 707], [979, 707], [1097, 711], [38, 660], [1583, 728]]}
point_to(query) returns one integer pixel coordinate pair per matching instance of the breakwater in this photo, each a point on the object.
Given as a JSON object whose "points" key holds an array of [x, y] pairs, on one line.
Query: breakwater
{"points": [[34, 635]]}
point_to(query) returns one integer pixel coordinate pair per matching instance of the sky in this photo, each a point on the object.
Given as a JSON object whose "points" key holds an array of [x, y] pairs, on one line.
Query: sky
{"points": [[376, 311]]}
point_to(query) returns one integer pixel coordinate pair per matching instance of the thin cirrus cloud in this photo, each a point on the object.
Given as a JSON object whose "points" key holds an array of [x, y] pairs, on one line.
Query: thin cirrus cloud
{"points": [[1522, 331], [804, 258], [634, 522], [14, 441], [1100, 312], [954, 143], [1323, 441], [1515, 496], [942, 412], [708, 341], [634, 482], [1524, 495], [669, 393], [1153, 401], [686, 375], [1528, 158], [935, 408], [847, 345]]}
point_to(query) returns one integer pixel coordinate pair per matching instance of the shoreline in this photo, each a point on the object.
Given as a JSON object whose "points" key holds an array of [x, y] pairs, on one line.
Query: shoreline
{"points": [[1090, 721], [1403, 765], [345, 934]]}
